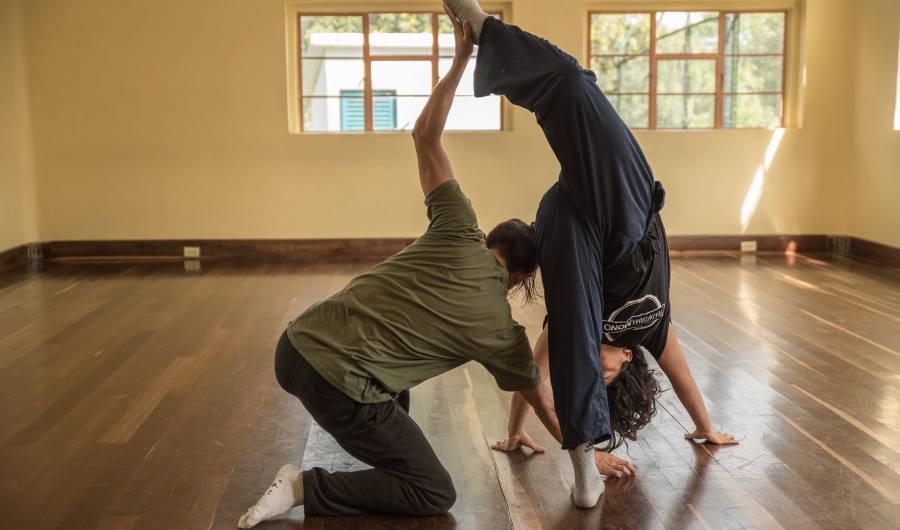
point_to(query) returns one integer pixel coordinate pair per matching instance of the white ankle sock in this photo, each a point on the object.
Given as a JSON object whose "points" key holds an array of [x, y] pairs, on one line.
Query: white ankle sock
{"points": [[588, 482], [284, 493], [471, 11]]}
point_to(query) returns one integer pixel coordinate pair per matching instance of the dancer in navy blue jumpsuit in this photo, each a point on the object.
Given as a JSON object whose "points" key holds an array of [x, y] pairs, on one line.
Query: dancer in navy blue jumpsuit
{"points": [[603, 258], [590, 221]]}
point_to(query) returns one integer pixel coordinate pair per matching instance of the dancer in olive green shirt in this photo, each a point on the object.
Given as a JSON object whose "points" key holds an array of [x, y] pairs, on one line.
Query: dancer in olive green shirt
{"points": [[438, 304], [442, 302]]}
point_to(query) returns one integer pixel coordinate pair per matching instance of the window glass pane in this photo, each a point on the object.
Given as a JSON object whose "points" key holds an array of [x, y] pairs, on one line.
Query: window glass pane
{"points": [[754, 33], [467, 83], [396, 113], [695, 32], [622, 74], [327, 77], [686, 76], [685, 112], [403, 77], [445, 27], [634, 110], [334, 114], [751, 110], [469, 113], [753, 74], [331, 36], [400, 34], [620, 34]]}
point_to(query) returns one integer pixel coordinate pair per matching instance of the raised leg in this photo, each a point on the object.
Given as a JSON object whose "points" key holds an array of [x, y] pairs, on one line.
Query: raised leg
{"points": [[603, 169]]}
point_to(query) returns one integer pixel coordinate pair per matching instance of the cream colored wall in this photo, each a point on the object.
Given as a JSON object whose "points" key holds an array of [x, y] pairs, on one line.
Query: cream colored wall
{"points": [[18, 203], [168, 119], [708, 174], [875, 185]]}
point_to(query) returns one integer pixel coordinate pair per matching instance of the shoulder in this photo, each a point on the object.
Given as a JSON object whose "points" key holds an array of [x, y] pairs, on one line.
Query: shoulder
{"points": [[441, 192]]}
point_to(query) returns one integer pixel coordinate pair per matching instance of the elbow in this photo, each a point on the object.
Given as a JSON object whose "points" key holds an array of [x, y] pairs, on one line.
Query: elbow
{"points": [[419, 130], [421, 135], [423, 132]]}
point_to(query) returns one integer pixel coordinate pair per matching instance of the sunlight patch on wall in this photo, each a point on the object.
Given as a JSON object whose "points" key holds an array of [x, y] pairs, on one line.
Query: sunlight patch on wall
{"points": [[773, 147], [754, 194], [897, 104], [752, 199]]}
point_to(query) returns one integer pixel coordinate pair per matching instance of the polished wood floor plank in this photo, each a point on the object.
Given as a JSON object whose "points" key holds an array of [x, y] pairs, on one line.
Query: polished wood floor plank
{"points": [[37, 428], [126, 522], [814, 400]]}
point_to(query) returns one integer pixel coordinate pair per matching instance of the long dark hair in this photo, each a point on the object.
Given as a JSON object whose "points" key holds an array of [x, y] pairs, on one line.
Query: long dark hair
{"points": [[632, 399], [517, 244]]}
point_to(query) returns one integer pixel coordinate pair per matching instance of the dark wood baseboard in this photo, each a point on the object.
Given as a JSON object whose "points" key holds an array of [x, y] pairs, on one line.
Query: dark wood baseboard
{"points": [[21, 255], [366, 248], [350, 249], [306, 249], [764, 243], [865, 250], [14, 256]]}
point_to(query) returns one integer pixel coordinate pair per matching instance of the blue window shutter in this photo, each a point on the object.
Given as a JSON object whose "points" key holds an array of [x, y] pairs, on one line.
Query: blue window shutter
{"points": [[353, 110], [384, 110]]}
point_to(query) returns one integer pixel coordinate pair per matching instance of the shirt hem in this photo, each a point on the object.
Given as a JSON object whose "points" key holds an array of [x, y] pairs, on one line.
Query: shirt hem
{"points": [[327, 376], [517, 388]]}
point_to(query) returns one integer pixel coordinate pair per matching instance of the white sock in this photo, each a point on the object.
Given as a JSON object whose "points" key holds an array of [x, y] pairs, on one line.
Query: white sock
{"points": [[471, 11], [284, 493], [588, 482]]}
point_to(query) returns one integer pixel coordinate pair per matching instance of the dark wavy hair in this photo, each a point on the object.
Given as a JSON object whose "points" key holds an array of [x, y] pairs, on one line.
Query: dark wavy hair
{"points": [[632, 399], [517, 244]]}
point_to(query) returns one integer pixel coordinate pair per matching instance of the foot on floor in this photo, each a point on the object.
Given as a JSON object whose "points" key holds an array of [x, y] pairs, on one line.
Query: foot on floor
{"points": [[588, 481], [285, 492]]}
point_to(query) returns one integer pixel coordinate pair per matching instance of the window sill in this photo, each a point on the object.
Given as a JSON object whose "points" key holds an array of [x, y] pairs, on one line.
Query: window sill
{"points": [[390, 133]]}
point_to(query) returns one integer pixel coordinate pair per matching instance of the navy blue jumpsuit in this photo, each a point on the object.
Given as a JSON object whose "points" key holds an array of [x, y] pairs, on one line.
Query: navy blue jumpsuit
{"points": [[593, 220]]}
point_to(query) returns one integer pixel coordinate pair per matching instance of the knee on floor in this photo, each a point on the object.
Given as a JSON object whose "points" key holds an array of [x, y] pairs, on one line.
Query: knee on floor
{"points": [[439, 497]]}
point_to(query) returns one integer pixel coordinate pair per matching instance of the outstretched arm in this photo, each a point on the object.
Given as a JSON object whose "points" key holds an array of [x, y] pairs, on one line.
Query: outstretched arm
{"points": [[434, 165], [541, 399], [676, 368], [517, 437]]}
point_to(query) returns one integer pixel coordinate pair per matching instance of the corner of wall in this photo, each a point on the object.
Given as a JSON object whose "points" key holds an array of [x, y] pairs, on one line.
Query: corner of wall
{"points": [[18, 190], [873, 187]]}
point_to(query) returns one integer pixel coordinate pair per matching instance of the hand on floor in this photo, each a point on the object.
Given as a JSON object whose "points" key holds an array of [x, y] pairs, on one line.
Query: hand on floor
{"points": [[718, 438], [608, 464], [516, 441]]}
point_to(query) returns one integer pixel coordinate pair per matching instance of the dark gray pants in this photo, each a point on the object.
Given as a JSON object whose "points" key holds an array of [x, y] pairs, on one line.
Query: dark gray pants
{"points": [[407, 479]]}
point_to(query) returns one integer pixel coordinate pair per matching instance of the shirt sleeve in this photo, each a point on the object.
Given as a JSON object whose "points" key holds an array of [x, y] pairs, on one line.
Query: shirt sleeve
{"points": [[451, 214], [514, 368], [656, 342]]}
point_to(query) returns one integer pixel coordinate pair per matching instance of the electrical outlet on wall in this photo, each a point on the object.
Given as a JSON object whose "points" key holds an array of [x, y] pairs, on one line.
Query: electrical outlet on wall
{"points": [[192, 252], [746, 246]]}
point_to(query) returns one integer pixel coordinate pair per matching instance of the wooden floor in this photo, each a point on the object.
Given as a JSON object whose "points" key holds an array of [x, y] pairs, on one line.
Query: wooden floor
{"points": [[141, 395]]}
